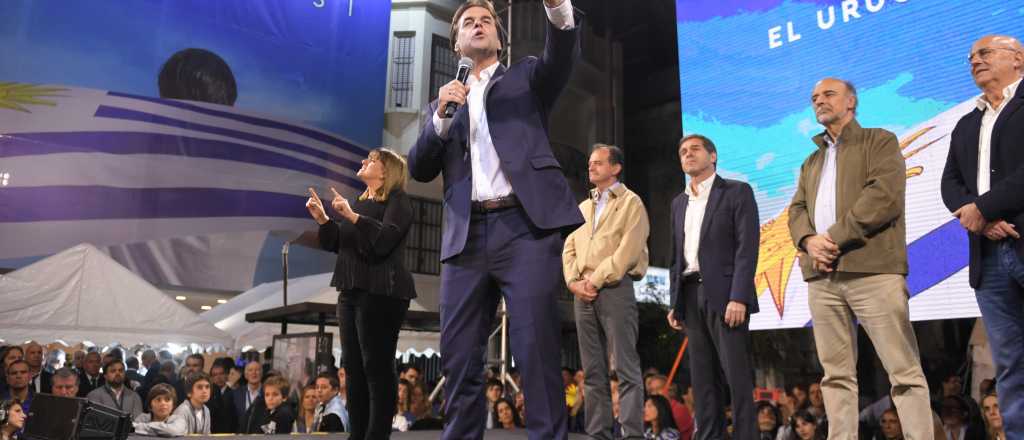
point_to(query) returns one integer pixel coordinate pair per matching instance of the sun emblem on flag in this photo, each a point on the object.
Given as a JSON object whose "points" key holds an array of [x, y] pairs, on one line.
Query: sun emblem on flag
{"points": [[777, 254], [17, 96]]}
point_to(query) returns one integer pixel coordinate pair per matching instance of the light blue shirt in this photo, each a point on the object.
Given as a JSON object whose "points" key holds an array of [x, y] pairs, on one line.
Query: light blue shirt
{"points": [[601, 199]]}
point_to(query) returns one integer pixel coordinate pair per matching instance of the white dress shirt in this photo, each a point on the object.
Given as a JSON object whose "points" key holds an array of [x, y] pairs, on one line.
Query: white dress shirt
{"points": [[601, 198], [489, 181], [825, 200], [988, 122], [694, 218]]}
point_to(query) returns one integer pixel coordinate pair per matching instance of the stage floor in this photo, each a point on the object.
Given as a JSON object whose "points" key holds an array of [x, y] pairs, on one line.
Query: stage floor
{"points": [[492, 434]]}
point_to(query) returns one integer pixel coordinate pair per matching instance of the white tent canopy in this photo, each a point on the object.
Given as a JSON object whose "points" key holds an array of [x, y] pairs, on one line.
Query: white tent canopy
{"points": [[81, 294], [230, 316]]}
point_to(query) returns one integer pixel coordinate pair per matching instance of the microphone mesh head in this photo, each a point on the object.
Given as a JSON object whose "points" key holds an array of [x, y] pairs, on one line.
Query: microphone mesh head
{"points": [[466, 62]]}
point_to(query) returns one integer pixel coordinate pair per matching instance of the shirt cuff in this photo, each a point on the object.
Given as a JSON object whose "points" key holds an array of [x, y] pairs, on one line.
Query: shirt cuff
{"points": [[441, 125], [561, 15]]}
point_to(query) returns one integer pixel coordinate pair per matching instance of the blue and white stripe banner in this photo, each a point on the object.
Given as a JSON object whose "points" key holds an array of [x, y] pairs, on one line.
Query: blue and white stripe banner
{"points": [[84, 165]]}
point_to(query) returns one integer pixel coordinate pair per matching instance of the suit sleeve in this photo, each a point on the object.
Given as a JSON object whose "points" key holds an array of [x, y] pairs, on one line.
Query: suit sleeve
{"points": [[426, 158], [1006, 198], [630, 249], [748, 240], [569, 258], [880, 201], [955, 193], [551, 72], [379, 238], [800, 226], [674, 268]]}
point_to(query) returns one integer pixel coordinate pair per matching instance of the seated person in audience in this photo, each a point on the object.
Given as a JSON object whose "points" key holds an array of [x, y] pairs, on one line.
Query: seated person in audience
{"points": [[133, 379], [269, 414], [505, 416], [658, 422], [956, 419], [18, 378], [993, 419], [113, 393], [403, 417], [419, 407], [12, 419], [493, 391], [422, 410], [65, 383], [768, 420], [681, 414], [193, 409], [221, 404], [159, 421], [890, 426], [804, 425], [248, 390], [89, 377], [39, 379], [333, 415], [307, 419]]}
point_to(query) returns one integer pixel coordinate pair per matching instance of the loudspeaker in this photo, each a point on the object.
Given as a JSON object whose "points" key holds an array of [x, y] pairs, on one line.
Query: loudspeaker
{"points": [[71, 418], [53, 417]]}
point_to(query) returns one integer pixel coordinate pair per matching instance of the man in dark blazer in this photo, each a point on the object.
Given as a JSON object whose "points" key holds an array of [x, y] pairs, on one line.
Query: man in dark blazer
{"points": [[507, 208], [715, 239], [90, 377], [990, 207]]}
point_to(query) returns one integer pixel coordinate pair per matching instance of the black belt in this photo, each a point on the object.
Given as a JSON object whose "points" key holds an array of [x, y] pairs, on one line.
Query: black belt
{"points": [[692, 277], [485, 206]]}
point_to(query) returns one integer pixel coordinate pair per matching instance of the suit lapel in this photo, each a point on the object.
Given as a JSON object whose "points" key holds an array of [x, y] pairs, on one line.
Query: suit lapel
{"points": [[713, 200], [972, 143], [499, 73], [1011, 107]]}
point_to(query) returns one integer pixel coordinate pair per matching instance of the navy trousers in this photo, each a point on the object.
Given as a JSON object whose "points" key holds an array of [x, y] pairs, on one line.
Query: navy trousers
{"points": [[505, 256]]}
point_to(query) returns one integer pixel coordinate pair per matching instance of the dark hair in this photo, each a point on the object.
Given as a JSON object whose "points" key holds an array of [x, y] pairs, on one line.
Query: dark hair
{"points": [[65, 373], [408, 396], [709, 145], [202, 360], [5, 409], [111, 362], [761, 405], [195, 377], [489, 6], [132, 362], [197, 75], [806, 416], [664, 408], [615, 156], [161, 389], [332, 378], [516, 420], [494, 383]]}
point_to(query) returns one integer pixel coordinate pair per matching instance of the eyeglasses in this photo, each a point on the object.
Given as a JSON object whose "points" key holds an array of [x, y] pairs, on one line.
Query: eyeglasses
{"points": [[987, 52]]}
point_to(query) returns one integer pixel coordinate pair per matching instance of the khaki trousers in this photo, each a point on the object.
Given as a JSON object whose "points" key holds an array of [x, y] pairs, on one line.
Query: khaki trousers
{"points": [[879, 303]]}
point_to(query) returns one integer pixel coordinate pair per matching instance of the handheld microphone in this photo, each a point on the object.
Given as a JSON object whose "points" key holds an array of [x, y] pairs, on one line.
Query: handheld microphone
{"points": [[465, 65]]}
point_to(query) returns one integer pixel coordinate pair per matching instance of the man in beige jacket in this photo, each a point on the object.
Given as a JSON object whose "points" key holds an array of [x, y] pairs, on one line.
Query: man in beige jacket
{"points": [[600, 261], [847, 219]]}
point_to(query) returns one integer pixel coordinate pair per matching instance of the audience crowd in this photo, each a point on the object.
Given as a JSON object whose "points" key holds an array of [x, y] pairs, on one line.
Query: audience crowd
{"points": [[249, 397]]}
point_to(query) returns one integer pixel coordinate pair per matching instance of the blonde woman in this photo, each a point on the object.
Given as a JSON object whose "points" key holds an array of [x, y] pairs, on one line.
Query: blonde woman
{"points": [[374, 287]]}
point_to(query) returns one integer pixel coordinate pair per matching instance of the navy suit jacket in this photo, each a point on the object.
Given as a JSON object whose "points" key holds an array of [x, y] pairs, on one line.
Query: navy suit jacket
{"points": [[519, 100], [1005, 199], [729, 238]]}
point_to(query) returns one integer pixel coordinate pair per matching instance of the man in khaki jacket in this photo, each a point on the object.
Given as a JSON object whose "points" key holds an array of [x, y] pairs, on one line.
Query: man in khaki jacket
{"points": [[847, 219], [600, 261]]}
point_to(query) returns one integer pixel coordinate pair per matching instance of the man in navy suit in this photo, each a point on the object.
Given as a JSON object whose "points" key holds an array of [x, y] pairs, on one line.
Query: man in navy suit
{"points": [[715, 239], [507, 206], [983, 184]]}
